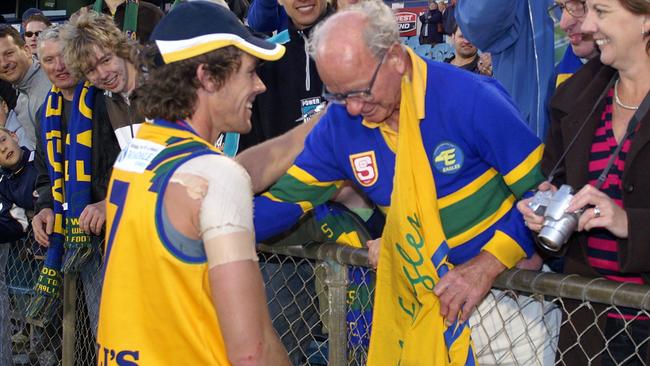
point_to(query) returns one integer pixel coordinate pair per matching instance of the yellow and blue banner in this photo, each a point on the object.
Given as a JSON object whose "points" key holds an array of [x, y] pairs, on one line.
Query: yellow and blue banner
{"points": [[407, 326]]}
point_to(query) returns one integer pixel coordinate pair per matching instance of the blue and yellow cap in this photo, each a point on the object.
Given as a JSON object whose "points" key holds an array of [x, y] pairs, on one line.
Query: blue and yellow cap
{"points": [[197, 27]]}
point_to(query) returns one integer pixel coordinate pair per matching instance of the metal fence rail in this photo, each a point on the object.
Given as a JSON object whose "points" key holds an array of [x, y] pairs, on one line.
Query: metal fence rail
{"points": [[320, 299]]}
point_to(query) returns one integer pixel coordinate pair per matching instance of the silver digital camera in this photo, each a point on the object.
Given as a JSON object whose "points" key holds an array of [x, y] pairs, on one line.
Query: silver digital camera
{"points": [[558, 225]]}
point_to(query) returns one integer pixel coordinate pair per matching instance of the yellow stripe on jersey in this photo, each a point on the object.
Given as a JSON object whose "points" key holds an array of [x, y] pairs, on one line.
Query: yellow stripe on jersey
{"points": [[525, 166], [468, 190]]}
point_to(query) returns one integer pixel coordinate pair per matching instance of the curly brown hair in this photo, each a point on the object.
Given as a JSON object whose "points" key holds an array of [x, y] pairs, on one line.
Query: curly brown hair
{"points": [[89, 30], [169, 90]]}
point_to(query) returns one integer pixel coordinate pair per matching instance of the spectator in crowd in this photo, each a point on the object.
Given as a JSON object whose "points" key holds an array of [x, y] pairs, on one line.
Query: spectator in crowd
{"points": [[18, 68], [431, 29], [26, 15], [519, 36], [135, 18], [570, 15], [7, 92], [17, 176], [64, 120], [96, 50], [268, 16], [211, 308], [466, 55], [293, 85], [448, 16], [604, 107], [356, 137], [34, 25]]}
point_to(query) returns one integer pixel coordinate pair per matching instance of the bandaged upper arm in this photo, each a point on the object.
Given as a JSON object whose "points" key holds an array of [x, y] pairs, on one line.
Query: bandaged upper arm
{"points": [[226, 213]]}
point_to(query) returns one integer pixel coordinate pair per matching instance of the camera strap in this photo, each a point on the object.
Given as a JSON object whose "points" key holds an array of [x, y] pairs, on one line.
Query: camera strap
{"points": [[557, 166], [643, 109], [634, 121]]}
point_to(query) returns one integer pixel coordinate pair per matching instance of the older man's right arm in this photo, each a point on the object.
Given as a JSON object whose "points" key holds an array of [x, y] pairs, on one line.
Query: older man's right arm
{"points": [[268, 161], [313, 179]]}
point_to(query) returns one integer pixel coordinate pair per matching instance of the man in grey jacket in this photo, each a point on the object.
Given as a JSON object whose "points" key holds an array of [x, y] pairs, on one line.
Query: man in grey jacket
{"points": [[19, 68]]}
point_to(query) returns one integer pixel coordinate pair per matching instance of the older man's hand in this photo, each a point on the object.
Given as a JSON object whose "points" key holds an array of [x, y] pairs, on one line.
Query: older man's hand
{"points": [[93, 217], [374, 247], [465, 286]]}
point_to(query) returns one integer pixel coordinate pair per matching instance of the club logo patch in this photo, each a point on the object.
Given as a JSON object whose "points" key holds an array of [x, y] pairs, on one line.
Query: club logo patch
{"points": [[448, 158], [364, 166]]}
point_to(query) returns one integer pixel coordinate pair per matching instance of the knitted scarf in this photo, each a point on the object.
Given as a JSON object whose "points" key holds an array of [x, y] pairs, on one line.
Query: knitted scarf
{"points": [[70, 174], [130, 25]]}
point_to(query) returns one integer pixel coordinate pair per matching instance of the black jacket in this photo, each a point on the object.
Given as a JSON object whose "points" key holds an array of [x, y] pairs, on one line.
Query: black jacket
{"points": [[293, 88], [569, 108], [429, 29]]}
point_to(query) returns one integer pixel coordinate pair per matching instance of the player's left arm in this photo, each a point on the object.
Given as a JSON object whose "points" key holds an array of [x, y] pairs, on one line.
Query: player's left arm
{"points": [[216, 206]]}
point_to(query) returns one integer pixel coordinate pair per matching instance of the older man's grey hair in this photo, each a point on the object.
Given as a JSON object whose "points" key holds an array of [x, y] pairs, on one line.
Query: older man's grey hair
{"points": [[50, 33], [380, 29]]}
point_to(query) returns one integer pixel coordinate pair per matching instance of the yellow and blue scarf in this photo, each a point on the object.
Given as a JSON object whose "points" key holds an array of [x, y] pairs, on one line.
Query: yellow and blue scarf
{"points": [[407, 326], [70, 173]]}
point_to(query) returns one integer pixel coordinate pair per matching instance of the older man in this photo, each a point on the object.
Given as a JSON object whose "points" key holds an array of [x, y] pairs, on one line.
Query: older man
{"points": [[570, 14], [181, 248], [60, 116], [379, 89], [25, 74]]}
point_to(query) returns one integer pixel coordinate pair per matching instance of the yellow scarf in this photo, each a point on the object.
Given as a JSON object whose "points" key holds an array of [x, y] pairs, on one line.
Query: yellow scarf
{"points": [[407, 327]]}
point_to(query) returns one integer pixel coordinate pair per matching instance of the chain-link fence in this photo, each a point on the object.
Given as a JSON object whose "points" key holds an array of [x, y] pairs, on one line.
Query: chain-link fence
{"points": [[529, 318], [320, 299], [24, 342]]}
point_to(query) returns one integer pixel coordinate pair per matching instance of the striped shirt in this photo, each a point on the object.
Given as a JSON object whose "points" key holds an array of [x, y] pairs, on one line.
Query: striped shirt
{"points": [[602, 246]]}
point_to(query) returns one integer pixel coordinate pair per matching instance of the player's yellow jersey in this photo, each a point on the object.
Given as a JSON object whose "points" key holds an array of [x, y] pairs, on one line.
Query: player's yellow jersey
{"points": [[156, 306]]}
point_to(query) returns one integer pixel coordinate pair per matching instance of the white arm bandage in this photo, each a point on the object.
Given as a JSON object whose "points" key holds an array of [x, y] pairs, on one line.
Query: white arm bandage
{"points": [[226, 215]]}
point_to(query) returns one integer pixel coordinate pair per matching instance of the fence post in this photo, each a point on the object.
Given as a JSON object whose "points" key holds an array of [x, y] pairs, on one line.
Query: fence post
{"points": [[337, 284], [69, 318]]}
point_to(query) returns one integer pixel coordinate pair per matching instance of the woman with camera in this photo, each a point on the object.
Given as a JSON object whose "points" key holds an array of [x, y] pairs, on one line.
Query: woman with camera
{"points": [[599, 144]]}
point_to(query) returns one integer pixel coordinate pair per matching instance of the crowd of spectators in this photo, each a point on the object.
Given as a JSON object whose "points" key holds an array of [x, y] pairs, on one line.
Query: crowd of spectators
{"points": [[53, 75]]}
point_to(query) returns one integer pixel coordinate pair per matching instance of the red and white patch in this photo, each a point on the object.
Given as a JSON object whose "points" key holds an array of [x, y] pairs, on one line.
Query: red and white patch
{"points": [[364, 166]]}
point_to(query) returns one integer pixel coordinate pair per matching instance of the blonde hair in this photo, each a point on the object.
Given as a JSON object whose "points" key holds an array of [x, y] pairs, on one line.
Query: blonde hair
{"points": [[87, 31]]}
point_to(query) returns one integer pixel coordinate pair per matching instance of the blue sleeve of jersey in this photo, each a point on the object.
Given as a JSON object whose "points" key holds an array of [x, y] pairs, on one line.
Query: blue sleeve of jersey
{"points": [[504, 140], [491, 25], [311, 181]]}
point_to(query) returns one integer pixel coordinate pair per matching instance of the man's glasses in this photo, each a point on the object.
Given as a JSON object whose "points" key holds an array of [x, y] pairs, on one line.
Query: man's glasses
{"points": [[31, 34], [365, 95], [575, 8]]}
